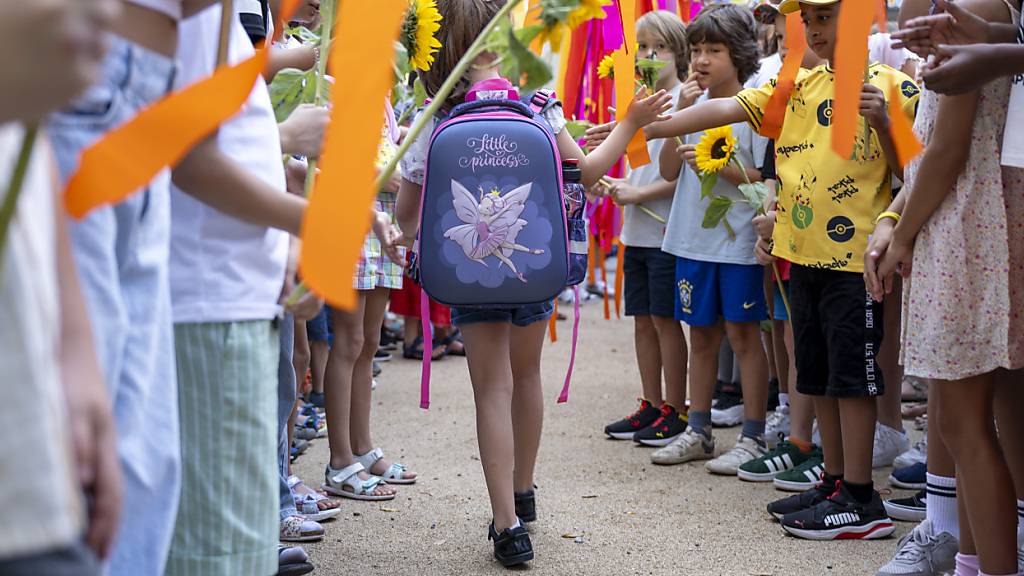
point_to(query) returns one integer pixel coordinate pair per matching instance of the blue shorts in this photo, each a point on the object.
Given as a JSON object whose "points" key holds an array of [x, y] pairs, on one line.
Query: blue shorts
{"points": [[780, 306], [521, 316], [318, 329], [706, 291], [649, 275]]}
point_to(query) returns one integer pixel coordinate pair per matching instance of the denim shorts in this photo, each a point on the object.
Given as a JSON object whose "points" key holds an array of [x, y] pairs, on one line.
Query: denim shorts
{"points": [[521, 316]]}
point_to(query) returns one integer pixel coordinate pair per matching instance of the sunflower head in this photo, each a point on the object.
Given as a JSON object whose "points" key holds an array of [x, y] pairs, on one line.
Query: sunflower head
{"points": [[419, 33], [714, 151], [586, 11], [606, 69]]}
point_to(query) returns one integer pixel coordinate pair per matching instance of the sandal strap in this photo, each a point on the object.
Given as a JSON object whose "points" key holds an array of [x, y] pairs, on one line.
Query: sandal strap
{"points": [[395, 472], [293, 481], [345, 474], [370, 458]]}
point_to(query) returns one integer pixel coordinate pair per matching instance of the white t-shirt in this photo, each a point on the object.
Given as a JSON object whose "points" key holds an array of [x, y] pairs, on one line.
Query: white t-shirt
{"points": [[1013, 135], [639, 229], [686, 238], [770, 68], [223, 269], [880, 50], [171, 8], [39, 497]]}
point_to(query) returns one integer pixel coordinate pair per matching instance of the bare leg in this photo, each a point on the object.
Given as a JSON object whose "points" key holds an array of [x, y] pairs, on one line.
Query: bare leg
{"points": [[300, 356], [487, 350], [889, 403], [801, 406], [376, 302], [984, 479], [673, 359], [525, 345], [648, 358], [830, 427], [858, 416], [705, 343], [348, 344], [745, 340], [1009, 402], [319, 352]]}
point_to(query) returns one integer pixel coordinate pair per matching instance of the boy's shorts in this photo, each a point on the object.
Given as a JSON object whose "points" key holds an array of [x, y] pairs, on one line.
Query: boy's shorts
{"points": [[837, 328], [779, 305], [521, 316], [649, 277], [318, 329], [706, 291]]}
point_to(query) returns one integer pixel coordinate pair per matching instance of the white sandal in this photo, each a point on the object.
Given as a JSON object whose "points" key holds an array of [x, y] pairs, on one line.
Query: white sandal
{"points": [[338, 480], [393, 475]]}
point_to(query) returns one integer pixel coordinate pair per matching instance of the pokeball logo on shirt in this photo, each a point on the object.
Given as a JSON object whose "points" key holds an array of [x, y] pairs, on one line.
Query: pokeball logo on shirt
{"points": [[840, 229], [825, 113]]}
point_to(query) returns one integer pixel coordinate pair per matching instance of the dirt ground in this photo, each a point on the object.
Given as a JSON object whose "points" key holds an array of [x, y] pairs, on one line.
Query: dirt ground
{"points": [[604, 509]]}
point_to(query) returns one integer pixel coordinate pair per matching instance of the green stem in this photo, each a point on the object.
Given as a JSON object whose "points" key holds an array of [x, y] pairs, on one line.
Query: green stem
{"points": [[327, 10], [10, 204], [651, 213], [728, 228]]}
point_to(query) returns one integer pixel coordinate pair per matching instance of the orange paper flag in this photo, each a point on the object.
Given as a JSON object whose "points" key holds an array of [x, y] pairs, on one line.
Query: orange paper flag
{"points": [[796, 46], [625, 82], [337, 220], [552, 322], [882, 17], [533, 18], [851, 56], [903, 137], [129, 157], [684, 10]]}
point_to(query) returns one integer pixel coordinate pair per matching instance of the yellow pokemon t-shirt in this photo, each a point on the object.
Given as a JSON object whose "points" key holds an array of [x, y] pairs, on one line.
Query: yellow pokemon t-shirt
{"points": [[827, 204]]}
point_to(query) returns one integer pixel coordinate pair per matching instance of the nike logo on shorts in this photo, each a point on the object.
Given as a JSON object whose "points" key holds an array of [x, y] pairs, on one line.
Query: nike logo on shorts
{"points": [[748, 306]]}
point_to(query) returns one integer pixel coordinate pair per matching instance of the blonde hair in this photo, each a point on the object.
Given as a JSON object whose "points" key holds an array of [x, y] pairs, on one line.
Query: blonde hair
{"points": [[667, 26], [462, 21]]}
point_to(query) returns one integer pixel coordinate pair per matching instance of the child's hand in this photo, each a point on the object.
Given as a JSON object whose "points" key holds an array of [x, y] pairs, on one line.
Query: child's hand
{"points": [[689, 93], [622, 192], [764, 224], [595, 136], [303, 132], [897, 259], [873, 108], [688, 152], [295, 176], [878, 244], [959, 69], [391, 239], [956, 25], [393, 183], [763, 252], [650, 109], [306, 308]]}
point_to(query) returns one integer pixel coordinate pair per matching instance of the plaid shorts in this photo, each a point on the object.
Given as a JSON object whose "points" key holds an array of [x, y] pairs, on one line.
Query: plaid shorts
{"points": [[375, 269]]}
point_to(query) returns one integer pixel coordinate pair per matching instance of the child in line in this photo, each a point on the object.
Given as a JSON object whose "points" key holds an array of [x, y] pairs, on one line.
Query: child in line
{"points": [[650, 272], [504, 345], [961, 227], [827, 207], [717, 275]]}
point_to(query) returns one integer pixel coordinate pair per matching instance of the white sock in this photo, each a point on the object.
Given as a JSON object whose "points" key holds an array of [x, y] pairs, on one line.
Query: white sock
{"points": [[784, 401], [941, 505]]}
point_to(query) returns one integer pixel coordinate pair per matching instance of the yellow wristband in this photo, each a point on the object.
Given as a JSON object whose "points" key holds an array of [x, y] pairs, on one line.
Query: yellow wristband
{"points": [[884, 215]]}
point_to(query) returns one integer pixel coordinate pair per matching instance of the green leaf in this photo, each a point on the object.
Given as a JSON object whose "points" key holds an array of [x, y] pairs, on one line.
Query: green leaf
{"points": [[649, 70], [518, 62], [707, 184], [717, 210], [286, 92], [755, 194], [576, 128], [419, 93]]}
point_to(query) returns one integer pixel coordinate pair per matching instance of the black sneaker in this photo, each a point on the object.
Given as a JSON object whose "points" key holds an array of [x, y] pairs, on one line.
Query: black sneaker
{"points": [[512, 547], [382, 355], [663, 430], [801, 501], [841, 517], [911, 509], [526, 505], [773, 394], [728, 412], [643, 417]]}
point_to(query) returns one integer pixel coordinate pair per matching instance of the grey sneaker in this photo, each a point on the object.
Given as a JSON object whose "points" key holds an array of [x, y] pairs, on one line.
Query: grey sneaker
{"points": [[688, 446], [923, 553], [745, 450]]}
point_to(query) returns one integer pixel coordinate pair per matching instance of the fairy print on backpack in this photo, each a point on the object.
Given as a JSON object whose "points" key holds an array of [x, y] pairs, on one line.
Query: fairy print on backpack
{"points": [[493, 228]]}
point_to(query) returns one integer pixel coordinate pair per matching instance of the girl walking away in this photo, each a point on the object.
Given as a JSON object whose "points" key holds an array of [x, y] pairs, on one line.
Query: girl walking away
{"points": [[503, 344], [962, 228], [649, 272]]}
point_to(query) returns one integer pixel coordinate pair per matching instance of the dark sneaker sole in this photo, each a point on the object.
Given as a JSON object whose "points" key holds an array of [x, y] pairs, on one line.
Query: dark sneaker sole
{"points": [[515, 560], [657, 442], [906, 485], [620, 435], [870, 531], [904, 513]]}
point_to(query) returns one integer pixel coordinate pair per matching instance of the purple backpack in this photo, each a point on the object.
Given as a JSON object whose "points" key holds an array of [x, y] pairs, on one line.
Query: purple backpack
{"points": [[494, 230]]}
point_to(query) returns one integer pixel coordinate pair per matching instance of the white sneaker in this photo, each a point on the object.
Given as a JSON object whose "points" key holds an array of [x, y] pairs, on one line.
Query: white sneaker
{"points": [[728, 412], [923, 553], [889, 443], [745, 450], [688, 446], [777, 426], [919, 453]]}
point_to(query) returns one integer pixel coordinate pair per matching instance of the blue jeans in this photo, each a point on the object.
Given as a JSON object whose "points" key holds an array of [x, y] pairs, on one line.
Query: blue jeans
{"points": [[285, 402], [122, 256]]}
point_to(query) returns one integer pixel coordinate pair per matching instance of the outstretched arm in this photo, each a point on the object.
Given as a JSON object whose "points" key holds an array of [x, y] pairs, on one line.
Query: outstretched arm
{"points": [[698, 118]]}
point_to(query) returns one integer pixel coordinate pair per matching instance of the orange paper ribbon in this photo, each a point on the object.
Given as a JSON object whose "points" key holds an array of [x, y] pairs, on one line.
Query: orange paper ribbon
{"points": [[625, 82], [336, 221], [552, 329], [129, 157], [684, 10], [796, 46], [903, 137], [850, 57]]}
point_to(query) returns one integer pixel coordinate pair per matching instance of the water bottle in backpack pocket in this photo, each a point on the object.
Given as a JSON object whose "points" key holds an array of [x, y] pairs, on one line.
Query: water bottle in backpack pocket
{"points": [[575, 197]]}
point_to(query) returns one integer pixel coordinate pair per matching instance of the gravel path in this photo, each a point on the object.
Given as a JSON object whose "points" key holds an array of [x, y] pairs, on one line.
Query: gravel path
{"points": [[604, 509]]}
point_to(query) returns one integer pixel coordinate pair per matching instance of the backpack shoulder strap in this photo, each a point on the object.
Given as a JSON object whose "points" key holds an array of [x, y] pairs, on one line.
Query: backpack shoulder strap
{"points": [[541, 101]]}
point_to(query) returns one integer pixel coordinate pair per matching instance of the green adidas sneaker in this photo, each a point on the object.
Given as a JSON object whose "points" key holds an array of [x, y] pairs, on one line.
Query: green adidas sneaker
{"points": [[803, 477], [785, 456]]}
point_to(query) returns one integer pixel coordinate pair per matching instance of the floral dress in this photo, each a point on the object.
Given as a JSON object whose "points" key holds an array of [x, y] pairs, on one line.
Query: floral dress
{"points": [[963, 305]]}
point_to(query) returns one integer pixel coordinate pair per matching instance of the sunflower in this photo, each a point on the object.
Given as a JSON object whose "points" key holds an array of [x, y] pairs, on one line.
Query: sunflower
{"points": [[555, 26], [715, 150], [419, 33], [606, 69], [587, 10]]}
